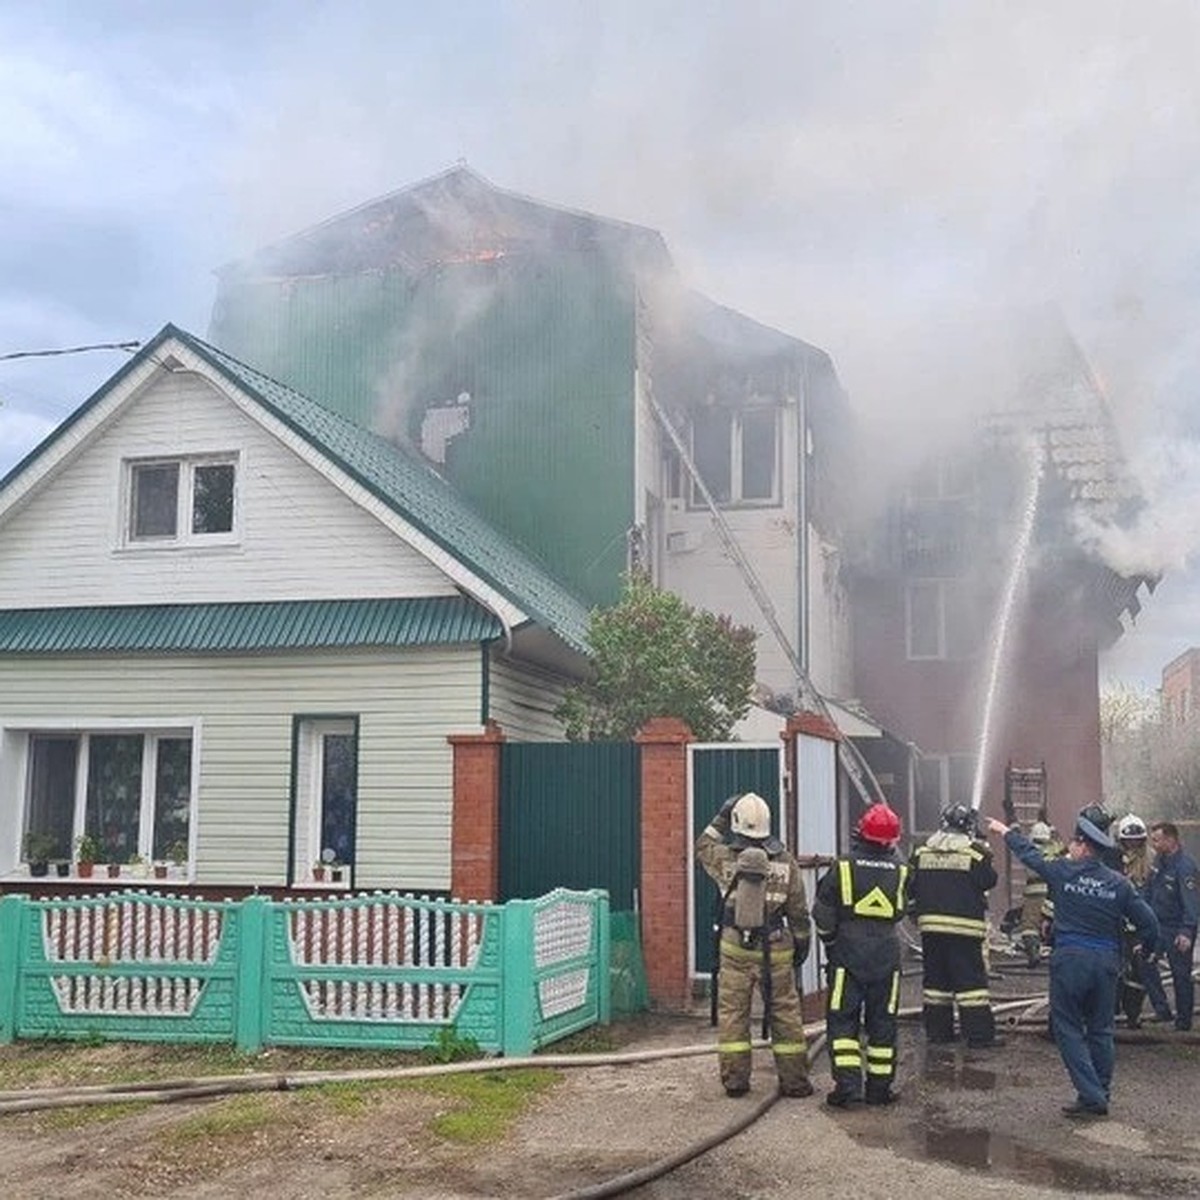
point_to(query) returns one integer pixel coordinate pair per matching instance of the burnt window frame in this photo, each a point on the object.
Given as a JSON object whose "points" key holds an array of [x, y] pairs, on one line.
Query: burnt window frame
{"points": [[736, 437]]}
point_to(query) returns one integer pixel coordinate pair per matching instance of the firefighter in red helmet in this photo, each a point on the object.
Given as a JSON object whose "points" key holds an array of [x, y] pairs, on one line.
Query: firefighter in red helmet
{"points": [[858, 904]]}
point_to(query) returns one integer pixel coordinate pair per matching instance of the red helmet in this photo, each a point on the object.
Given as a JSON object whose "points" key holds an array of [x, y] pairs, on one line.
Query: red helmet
{"points": [[880, 825]]}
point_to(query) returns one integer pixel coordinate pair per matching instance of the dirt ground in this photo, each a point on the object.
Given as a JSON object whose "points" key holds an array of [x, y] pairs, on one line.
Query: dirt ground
{"points": [[984, 1122]]}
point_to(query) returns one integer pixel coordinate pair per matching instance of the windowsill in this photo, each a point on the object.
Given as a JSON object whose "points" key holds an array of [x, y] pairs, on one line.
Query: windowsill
{"points": [[23, 874], [324, 885], [136, 548]]}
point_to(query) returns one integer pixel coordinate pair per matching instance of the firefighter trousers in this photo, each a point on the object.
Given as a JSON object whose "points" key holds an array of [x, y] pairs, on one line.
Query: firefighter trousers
{"points": [[955, 973], [740, 975], [852, 1006]]}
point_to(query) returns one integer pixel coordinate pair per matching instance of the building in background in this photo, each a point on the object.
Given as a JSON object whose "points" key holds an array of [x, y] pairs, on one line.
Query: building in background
{"points": [[1181, 689]]}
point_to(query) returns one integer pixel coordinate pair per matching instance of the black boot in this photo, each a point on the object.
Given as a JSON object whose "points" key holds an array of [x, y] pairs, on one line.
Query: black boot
{"points": [[843, 1097], [880, 1092]]}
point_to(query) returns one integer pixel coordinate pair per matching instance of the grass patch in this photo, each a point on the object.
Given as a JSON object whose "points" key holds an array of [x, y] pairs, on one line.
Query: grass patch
{"points": [[485, 1104], [232, 1118], [90, 1114]]}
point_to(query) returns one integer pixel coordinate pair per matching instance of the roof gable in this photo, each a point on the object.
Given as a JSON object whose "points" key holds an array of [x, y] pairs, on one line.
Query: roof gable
{"points": [[418, 504], [454, 216]]}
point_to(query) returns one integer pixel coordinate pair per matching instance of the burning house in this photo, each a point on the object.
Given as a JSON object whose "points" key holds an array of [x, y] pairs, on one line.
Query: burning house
{"points": [[1039, 458], [552, 366]]}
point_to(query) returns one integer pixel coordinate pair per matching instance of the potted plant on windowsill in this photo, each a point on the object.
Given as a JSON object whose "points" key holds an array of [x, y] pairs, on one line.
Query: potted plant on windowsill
{"points": [[177, 855], [86, 853], [38, 848], [137, 866]]}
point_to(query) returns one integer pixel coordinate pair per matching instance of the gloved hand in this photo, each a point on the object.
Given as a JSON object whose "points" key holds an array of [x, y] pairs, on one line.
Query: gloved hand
{"points": [[725, 813]]}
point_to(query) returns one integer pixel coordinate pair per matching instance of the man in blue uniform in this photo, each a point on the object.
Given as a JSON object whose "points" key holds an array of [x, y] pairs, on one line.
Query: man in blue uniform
{"points": [[1092, 902], [1171, 892]]}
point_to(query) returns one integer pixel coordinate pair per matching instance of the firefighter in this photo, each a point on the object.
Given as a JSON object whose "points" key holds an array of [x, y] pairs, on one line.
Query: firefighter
{"points": [[858, 904], [763, 933], [1091, 905], [1034, 898], [1171, 892], [951, 876], [1132, 837]]}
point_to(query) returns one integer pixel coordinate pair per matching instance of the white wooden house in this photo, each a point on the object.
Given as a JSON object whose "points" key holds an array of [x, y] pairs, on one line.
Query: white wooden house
{"points": [[234, 622]]}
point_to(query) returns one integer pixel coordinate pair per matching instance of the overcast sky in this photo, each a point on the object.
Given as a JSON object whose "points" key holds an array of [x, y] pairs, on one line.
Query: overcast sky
{"points": [[864, 175]]}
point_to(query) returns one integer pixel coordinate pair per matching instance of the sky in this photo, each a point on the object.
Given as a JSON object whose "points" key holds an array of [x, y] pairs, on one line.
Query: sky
{"points": [[874, 177]]}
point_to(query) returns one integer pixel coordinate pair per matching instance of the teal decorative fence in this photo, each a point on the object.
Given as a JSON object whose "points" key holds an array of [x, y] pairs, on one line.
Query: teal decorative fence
{"points": [[383, 971]]}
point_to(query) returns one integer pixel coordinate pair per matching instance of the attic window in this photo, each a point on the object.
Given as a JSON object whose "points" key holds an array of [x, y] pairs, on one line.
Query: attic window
{"points": [[181, 501]]}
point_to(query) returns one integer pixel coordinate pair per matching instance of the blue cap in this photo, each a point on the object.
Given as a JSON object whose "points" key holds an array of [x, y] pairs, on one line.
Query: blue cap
{"points": [[1093, 833]]}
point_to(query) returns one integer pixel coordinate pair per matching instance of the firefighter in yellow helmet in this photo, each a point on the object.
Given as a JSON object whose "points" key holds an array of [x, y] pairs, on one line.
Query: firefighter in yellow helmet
{"points": [[1035, 894], [859, 902], [763, 932]]}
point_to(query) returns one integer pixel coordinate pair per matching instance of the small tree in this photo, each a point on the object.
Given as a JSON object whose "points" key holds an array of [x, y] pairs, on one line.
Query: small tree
{"points": [[654, 655]]}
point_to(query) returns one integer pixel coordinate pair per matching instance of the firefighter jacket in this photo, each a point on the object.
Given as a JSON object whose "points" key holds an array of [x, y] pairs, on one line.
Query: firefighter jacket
{"points": [[859, 900], [951, 876], [787, 922]]}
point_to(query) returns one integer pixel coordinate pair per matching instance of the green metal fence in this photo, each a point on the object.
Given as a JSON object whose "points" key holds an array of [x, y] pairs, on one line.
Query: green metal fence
{"points": [[570, 816], [383, 971]]}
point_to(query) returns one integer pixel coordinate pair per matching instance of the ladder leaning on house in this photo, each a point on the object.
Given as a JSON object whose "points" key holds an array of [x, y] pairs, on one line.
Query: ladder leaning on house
{"points": [[1024, 803]]}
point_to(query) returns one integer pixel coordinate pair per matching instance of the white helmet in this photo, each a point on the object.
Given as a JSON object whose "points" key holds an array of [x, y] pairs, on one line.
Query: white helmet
{"points": [[751, 818], [1040, 832], [1132, 829]]}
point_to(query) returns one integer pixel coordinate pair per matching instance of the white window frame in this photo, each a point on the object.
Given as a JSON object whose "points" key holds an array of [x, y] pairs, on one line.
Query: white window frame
{"points": [[310, 768], [943, 765], [17, 734], [939, 587], [183, 536], [736, 500]]}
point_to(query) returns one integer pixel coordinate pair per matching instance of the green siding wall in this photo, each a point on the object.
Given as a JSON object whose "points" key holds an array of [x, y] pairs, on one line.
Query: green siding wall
{"points": [[543, 345]]}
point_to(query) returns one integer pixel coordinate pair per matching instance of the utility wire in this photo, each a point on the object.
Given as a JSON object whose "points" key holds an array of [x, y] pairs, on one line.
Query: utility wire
{"points": [[127, 346]]}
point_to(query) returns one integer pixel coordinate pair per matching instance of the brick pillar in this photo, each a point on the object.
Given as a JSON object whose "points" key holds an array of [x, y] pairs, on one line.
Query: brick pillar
{"points": [[475, 814], [665, 837]]}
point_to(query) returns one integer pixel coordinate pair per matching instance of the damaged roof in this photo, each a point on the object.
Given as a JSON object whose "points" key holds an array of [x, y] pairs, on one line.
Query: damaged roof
{"points": [[1059, 401], [454, 216]]}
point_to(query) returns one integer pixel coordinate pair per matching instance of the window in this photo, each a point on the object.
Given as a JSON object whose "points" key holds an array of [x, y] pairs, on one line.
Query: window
{"points": [[942, 779], [182, 501], [326, 799], [940, 619], [130, 790], [737, 455]]}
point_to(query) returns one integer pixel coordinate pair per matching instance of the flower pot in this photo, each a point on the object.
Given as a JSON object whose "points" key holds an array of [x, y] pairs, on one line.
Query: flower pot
{"points": [[62, 869], [319, 874], [114, 870], [84, 870], [160, 870], [39, 869]]}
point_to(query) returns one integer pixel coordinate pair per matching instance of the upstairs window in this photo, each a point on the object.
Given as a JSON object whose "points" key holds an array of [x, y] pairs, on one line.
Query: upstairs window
{"points": [[182, 501], [940, 620], [737, 455]]}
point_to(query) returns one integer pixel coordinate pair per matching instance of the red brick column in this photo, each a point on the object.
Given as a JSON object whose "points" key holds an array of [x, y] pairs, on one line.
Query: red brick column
{"points": [[475, 814], [665, 837]]}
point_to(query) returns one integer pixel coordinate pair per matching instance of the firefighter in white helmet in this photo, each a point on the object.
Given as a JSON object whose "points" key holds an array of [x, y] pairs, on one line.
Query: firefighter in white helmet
{"points": [[1133, 838], [762, 933]]}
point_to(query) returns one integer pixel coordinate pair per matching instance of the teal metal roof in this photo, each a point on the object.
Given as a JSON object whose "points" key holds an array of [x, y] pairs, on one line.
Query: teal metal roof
{"points": [[286, 625]]}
